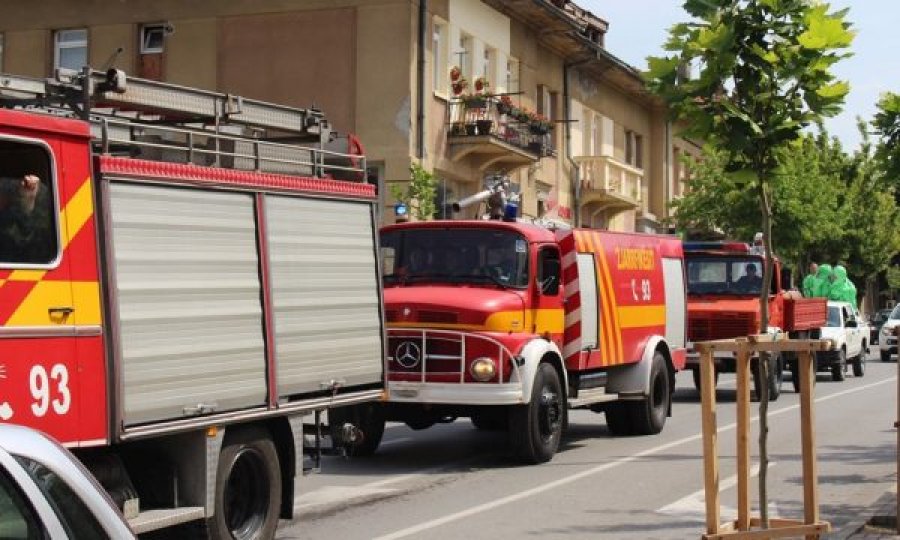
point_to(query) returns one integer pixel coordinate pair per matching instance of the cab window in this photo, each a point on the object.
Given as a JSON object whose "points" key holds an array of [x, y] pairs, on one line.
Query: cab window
{"points": [[17, 519], [27, 208]]}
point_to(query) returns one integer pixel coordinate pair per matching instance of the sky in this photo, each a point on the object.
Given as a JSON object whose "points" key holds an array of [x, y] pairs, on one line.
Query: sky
{"points": [[638, 28]]}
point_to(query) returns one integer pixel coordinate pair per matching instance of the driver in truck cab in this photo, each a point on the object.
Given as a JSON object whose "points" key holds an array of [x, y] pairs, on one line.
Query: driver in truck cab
{"points": [[22, 219]]}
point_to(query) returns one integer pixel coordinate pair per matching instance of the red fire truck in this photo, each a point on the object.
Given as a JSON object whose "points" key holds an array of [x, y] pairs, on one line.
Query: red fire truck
{"points": [[512, 323], [724, 284], [183, 282]]}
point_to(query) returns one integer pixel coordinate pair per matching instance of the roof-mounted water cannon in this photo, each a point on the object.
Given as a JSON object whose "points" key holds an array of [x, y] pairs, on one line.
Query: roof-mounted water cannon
{"points": [[501, 200]]}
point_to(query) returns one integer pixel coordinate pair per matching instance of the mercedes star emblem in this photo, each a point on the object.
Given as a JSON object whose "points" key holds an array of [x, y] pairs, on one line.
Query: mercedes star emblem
{"points": [[408, 354]]}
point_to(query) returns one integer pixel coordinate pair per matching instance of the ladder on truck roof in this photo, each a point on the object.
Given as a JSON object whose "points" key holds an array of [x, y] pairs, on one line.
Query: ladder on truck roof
{"points": [[169, 122]]}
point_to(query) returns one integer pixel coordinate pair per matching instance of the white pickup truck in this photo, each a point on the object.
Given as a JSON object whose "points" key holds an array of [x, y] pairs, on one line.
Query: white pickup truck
{"points": [[850, 334]]}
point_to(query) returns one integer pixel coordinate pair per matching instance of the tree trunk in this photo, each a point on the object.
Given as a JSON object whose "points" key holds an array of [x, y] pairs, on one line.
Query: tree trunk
{"points": [[766, 209]]}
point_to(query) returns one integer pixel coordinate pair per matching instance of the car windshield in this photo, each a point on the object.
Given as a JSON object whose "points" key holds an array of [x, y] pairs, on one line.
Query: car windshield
{"points": [[896, 313], [724, 275], [834, 317], [484, 256]]}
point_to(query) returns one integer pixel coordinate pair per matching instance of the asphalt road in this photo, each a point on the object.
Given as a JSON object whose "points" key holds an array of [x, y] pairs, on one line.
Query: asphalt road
{"points": [[452, 481]]}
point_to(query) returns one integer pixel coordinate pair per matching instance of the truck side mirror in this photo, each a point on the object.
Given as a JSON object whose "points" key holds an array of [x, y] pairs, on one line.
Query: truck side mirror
{"points": [[548, 272], [787, 278]]}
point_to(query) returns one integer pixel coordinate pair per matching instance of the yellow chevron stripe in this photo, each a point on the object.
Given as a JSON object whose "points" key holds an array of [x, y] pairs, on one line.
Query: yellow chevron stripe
{"points": [[604, 329], [33, 310], [77, 212], [27, 275], [617, 330], [86, 299], [642, 316]]}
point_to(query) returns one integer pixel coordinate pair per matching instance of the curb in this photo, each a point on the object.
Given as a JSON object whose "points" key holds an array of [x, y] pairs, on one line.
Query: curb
{"points": [[884, 505]]}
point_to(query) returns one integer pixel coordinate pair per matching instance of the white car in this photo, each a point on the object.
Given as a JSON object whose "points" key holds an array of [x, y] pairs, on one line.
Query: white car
{"points": [[46, 493], [850, 334], [887, 341]]}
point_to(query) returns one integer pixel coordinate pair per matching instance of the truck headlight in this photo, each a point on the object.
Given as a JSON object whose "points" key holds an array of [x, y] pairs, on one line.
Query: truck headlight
{"points": [[483, 369]]}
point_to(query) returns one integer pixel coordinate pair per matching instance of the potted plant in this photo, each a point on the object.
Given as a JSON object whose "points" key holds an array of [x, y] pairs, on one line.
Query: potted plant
{"points": [[459, 85], [505, 106], [540, 125], [455, 74]]}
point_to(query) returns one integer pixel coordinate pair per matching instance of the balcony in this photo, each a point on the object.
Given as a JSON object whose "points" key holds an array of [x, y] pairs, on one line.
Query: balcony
{"points": [[492, 136], [610, 183]]}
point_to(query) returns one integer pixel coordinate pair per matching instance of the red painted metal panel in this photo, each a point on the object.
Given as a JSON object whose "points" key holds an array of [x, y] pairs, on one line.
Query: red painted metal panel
{"points": [[195, 174], [45, 385]]}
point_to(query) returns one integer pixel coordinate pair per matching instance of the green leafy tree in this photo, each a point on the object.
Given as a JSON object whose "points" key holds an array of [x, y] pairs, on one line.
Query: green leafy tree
{"points": [[873, 215], [893, 279], [887, 127], [765, 74], [419, 194]]}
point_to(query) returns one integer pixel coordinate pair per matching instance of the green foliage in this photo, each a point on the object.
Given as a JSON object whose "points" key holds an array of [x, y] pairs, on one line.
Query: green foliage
{"points": [[764, 74], [893, 277], [418, 195], [828, 206], [887, 127]]}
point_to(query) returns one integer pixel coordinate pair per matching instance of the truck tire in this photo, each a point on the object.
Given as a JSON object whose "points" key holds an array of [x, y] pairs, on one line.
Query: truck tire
{"points": [[618, 419], [859, 363], [838, 369], [248, 488], [368, 418], [695, 372], [776, 378], [536, 428], [649, 416]]}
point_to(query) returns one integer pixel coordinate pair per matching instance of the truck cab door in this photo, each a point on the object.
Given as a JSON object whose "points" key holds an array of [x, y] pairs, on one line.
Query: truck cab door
{"points": [[52, 363], [37, 362]]}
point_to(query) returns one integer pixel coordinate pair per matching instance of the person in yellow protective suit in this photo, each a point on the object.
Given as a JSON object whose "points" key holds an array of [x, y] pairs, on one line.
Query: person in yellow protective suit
{"points": [[842, 289], [822, 285]]}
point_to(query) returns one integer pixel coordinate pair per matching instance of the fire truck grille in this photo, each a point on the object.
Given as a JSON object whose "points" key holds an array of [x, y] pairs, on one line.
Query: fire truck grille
{"points": [[705, 327], [443, 356]]}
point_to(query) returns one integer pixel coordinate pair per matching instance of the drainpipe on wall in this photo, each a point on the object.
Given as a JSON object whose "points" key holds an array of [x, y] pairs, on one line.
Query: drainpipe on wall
{"points": [[576, 173], [668, 175], [420, 82]]}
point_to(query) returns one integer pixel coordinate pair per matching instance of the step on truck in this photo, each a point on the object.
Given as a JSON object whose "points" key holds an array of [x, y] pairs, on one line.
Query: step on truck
{"points": [[511, 324], [724, 282], [187, 280]]}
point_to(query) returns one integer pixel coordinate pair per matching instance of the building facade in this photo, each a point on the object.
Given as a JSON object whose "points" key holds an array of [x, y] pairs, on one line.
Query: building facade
{"points": [[571, 126]]}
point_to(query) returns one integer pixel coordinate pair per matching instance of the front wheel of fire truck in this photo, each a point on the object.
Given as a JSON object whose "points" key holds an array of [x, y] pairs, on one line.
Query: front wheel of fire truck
{"points": [[248, 488], [536, 428]]}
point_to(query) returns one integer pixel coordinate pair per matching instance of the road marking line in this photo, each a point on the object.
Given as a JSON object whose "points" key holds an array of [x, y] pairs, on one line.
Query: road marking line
{"points": [[402, 533], [395, 441], [695, 503]]}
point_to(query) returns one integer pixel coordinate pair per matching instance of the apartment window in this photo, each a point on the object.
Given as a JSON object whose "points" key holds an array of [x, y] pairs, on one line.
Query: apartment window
{"points": [[546, 106], [439, 56], [489, 64], [596, 135], [512, 75], [152, 37], [465, 55], [70, 48], [634, 149]]}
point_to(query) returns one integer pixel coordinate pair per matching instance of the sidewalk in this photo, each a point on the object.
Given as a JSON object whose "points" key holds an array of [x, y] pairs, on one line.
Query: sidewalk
{"points": [[876, 523]]}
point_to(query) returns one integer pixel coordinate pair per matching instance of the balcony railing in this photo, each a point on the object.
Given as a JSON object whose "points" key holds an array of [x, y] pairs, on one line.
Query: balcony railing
{"points": [[487, 117], [605, 175]]}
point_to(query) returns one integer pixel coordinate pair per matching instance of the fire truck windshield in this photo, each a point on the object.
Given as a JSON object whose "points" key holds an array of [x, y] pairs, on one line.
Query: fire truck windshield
{"points": [[738, 275], [473, 256]]}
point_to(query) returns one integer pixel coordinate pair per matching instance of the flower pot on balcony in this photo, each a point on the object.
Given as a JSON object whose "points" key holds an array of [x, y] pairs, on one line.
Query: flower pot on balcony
{"points": [[536, 148], [504, 107], [457, 129], [471, 129], [475, 103], [485, 126]]}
